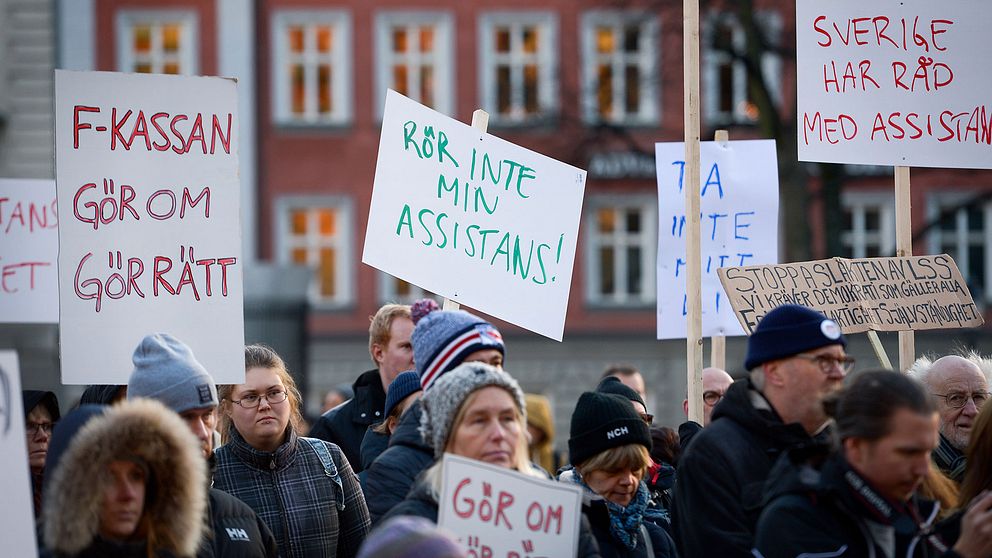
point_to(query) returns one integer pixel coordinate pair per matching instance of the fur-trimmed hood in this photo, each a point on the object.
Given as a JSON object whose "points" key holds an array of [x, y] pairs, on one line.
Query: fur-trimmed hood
{"points": [[176, 495]]}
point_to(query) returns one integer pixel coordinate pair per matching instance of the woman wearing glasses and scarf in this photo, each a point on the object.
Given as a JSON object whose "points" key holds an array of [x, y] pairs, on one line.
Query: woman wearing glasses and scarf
{"points": [[303, 488]]}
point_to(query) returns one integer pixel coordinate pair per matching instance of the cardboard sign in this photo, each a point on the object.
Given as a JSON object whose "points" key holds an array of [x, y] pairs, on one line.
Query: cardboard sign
{"points": [[29, 250], [738, 226], [474, 218], [882, 294], [150, 236], [500, 512], [894, 83], [17, 530]]}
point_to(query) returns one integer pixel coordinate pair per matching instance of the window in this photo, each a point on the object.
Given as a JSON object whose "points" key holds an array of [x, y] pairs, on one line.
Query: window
{"points": [[311, 68], [317, 232], [619, 72], [414, 57], [392, 289], [620, 251], [517, 66], [963, 229], [726, 96], [157, 41], [869, 225]]}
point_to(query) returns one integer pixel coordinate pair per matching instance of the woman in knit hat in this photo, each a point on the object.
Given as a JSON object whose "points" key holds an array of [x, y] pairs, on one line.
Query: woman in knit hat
{"points": [[609, 450]]}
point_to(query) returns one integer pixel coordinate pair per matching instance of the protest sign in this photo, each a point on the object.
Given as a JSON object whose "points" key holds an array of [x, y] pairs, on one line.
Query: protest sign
{"points": [[894, 83], [29, 249], [150, 238], [881, 294], [17, 529], [473, 218], [739, 226], [501, 513]]}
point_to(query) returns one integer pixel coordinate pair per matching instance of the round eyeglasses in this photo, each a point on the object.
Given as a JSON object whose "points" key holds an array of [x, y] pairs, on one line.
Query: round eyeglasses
{"points": [[957, 400], [251, 401], [829, 363]]}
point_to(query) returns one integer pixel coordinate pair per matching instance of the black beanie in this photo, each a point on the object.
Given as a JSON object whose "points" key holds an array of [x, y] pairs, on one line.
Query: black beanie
{"points": [[612, 384], [788, 330], [602, 421], [32, 398]]}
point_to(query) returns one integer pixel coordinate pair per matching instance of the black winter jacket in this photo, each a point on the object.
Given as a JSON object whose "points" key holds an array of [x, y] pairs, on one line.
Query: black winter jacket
{"points": [[345, 425], [390, 477], [720, 477], [819, 506], [236, 530], [594, 508]]}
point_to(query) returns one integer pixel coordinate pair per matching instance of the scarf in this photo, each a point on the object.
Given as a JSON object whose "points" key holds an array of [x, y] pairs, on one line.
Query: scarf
{"points": [[625, 521], [949, 459]]}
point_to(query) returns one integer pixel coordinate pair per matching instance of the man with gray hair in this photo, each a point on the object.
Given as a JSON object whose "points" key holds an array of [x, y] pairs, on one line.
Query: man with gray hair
{"points": [[960, 385], [166, 370]]}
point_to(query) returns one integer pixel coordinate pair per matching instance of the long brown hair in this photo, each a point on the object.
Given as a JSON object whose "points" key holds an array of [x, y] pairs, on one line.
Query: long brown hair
{"points": [[978, 474], [260, 356]]}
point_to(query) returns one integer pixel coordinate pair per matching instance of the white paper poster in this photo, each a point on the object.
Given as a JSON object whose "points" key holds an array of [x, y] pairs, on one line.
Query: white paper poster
{"points": [[29, 250], [474, 218], [17, 529], [150, 235], [738, 226]]}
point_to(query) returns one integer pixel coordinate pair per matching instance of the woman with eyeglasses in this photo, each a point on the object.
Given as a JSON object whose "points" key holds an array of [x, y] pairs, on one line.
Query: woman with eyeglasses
{"points": [[303, 488]]}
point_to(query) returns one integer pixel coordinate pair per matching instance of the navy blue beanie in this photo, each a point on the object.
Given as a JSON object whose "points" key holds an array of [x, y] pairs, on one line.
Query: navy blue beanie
{"points": [[402, 387], [65, 432], [788, 330], [443, 338]]}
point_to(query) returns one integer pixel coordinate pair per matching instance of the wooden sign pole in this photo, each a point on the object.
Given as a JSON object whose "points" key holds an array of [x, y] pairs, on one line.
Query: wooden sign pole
{"points": [[693, 259], [718, 343], [480, 121], [904, 247]]}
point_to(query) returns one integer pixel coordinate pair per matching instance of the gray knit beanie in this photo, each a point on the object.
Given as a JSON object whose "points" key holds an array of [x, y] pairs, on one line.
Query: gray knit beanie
{"points": [[443, 338], [165, 369], [441, 404]]}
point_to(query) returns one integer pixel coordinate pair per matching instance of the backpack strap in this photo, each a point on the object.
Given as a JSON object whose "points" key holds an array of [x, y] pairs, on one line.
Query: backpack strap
{"points": [[330, 469], [647, 540]]}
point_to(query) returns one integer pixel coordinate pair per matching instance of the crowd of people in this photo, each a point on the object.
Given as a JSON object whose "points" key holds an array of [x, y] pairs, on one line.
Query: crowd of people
{"points": [[802, 457]]}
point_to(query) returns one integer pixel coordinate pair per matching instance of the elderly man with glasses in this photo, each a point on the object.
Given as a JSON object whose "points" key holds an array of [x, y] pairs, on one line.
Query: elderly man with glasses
{"points": [[795, 357], [960, 386]]}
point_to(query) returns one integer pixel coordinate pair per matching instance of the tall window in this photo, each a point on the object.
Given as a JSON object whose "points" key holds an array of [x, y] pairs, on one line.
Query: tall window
{"points": [[726, 90], [157, 41], [619, 72], [518, 72], [414, 57], [620, 251], [869, 225], [311, 67], [316, 232], [964, 230]]}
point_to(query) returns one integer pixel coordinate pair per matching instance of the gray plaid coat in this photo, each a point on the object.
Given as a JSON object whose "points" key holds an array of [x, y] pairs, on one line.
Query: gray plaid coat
{"points": [[313, 509]]}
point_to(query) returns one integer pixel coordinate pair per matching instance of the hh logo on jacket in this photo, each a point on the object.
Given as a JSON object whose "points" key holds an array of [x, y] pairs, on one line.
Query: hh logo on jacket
{"points": [[237, 534]]}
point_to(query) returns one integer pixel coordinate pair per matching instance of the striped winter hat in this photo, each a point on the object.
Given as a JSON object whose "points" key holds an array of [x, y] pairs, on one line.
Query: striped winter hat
{"points": [[443, 338]]}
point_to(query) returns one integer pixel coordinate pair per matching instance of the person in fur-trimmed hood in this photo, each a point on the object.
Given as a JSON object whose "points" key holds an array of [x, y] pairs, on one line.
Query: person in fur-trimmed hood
{"points": [[130, 482]]}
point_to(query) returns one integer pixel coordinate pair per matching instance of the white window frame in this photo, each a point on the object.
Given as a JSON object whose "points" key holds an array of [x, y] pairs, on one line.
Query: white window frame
{"points": [[858, 238], [342, 80], [647, 240], [442, 58], [189, 46], [647, 60], [962, 237], [547, 63], [343, 244], [771, 66]]}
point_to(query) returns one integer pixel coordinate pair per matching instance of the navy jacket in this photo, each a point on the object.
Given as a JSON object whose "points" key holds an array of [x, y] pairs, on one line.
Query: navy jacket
{"points": [[390, 477]]}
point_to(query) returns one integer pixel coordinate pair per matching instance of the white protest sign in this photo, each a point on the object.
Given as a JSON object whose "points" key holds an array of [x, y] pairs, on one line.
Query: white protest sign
{"points": [[473, 218], [17, 529], [29, 250], [739, 226], [499, 512], [894, 83], [150, 236]]}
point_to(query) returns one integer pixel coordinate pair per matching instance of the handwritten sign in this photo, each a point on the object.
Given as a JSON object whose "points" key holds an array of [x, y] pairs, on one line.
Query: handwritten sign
{"points": [[473, 218], [150, 238], [894, 83], [882, 294], [499, 512], [29, 249], [17, 528], [738, 226]]}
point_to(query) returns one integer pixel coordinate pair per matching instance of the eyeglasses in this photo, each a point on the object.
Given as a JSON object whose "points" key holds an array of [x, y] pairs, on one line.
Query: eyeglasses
{"points": [[958, 400], [712, 397], [828, 363], [252, 401], [648, 418], [33, 428]]}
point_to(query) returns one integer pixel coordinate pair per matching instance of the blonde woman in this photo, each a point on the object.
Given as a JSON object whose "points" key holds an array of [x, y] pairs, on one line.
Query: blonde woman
{"points": [[304, 489]]}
